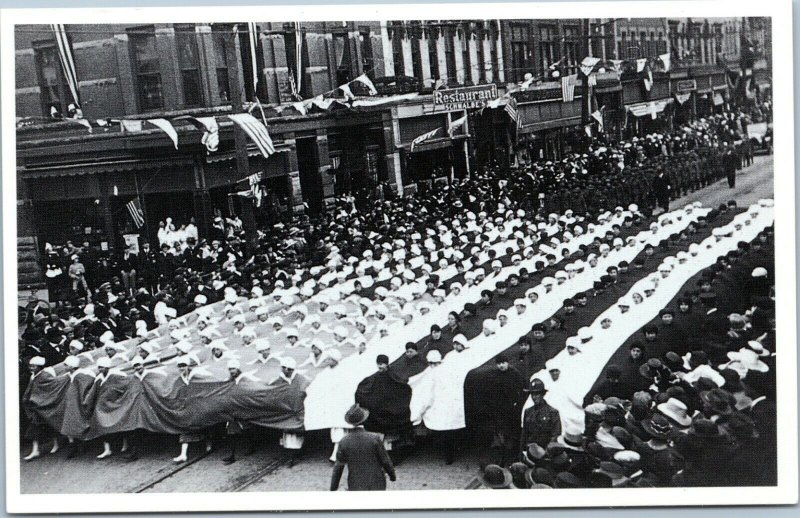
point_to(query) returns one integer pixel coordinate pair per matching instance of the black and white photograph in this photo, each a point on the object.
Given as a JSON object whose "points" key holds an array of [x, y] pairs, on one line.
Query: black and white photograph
{"points": [[265, 256]]}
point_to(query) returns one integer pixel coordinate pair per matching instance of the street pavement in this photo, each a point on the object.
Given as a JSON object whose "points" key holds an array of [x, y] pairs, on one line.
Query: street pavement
{"points": [[262, 470]]}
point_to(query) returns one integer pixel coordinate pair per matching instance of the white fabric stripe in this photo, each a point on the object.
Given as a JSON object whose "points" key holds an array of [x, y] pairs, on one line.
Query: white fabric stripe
{"points": [[579, 373], [256, 131], [445, 408]]}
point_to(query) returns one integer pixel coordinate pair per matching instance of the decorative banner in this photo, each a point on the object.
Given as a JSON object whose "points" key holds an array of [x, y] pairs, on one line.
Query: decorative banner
{"points": [[165, 126], [666, 61], [364, 80], [210, 137], [348, 94], [424, 137], [652, 108], [456, 124], [130, 126], [682, 98], [640, 64], [588, 64], [464, 98]]}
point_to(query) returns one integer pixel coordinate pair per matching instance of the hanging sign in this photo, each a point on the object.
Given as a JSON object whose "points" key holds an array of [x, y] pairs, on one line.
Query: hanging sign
{"points": [[468, 97]]}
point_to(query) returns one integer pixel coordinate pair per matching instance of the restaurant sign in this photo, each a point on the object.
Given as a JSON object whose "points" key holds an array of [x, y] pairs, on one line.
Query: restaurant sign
{"points": [[468, 97]]}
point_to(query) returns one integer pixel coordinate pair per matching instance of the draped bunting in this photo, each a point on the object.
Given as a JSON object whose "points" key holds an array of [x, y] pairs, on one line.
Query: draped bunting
{"points": [[651, 108], [67, 61], [165, 126]]}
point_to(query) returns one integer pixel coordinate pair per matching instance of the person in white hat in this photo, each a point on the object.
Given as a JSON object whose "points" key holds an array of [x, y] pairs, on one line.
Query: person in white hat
{"points": [[292, 439], [38, 431]]}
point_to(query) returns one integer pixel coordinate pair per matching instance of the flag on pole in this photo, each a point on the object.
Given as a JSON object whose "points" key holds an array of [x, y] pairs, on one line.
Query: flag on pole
{"points": [[255, 187], [424, 137], [135, 210], [67, 62], [588, 65], [568, 87], [251, 29], [256, 131]]}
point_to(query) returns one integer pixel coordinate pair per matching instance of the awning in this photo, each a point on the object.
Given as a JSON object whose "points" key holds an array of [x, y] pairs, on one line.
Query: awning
{"points": [[650, 108], [550, 124], [430, 145], [118, 166]]}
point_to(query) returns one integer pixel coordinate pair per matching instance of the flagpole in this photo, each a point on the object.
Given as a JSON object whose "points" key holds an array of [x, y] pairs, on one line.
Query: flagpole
{"points": [[466, 141]]}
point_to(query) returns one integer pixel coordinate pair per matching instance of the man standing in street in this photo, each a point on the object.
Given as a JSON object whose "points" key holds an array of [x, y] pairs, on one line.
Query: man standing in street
{"points": [[363, 454], [541, 423]]}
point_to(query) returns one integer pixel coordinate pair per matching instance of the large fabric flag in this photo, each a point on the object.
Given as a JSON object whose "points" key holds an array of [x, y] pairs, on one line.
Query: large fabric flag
{"points": [[256, 131], [135, 210], [511, 110]]}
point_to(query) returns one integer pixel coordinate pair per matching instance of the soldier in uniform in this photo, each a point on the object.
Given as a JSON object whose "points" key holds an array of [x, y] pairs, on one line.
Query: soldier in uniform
{"points": [[541, 423]]}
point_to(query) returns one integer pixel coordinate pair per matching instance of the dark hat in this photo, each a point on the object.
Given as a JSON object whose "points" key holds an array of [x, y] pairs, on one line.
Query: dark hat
{"points": [[658, 426], [530, 479], [733, 382], [382, 359], [518, 470], [742, 426], [718, 401], [496, 477], [705, 429], [533, 453], [567, 480], [651, 368], [536, 387], [537, 327], [356, 415], [673, 361], [411, 345]]}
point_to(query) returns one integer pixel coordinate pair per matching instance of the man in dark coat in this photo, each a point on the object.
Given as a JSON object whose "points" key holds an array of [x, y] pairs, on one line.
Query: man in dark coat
{"points": [[541, 423], [363, 454]]}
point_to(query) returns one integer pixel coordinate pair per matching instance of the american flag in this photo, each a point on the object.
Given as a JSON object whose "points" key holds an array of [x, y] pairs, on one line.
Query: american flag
{"points": [[135, 210], [256, 130], [425, 136], [568, 87], [511, 110]]}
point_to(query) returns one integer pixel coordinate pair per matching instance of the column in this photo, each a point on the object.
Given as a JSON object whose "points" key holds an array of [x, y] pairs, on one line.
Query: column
{"points": [[486, 41], [475, 67], [208, 65], [324, 159], [425, 59], [388, 57], [441, 54], [172, 86], [457, 46], [501, 75], [391, 137], [292, 169], [201, 198], [125, 71], [408, 56]]}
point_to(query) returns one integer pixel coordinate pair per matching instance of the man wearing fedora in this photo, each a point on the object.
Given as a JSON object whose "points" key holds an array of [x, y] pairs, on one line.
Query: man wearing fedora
{"points": [[541, 423], [363, 454]]}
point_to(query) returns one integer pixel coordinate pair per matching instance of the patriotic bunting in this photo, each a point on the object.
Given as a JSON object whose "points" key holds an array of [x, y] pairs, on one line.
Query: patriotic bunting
{"points": [[568, 87], [165, 126], [424, 137], [67, 62]]}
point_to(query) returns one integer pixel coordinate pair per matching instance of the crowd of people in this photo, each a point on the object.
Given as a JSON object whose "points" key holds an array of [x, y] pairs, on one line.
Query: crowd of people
{"points": [[126, 295]]}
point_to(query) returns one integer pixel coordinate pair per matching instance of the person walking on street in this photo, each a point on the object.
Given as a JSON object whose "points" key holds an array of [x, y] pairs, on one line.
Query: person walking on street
{"points": [[363, 454]]}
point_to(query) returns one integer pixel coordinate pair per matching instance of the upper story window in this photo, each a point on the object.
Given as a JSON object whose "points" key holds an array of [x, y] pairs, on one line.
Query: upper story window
{"points": [[189, 63], [341, 49], [53, 89], [146, 67], [221, 63]]}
